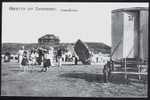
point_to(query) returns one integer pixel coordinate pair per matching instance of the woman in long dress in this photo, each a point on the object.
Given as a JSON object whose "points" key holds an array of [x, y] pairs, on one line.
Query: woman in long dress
{"points": [[24, 62], [33, 58], [36, 57], [51, 55], [20, 53], [59, 56], [46, 61], [40, 54]]}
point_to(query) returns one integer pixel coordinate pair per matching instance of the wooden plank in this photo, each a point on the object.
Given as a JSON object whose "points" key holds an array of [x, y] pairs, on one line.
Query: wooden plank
{"points": [[129, 73]]}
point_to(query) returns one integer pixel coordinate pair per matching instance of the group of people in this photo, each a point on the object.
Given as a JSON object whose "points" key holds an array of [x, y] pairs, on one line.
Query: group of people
{"points": [[38, 56], [46, 58]]}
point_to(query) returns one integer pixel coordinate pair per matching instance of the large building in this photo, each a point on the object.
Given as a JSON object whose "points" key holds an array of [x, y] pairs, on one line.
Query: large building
{"points": [[48, 39], [130, 33]]}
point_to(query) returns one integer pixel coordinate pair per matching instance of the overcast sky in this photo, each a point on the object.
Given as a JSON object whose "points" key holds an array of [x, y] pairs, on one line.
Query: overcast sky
{"points": [[89, 22]]}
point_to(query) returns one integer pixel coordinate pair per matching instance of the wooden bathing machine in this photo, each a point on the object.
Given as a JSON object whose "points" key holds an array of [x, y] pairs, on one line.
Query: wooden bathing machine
{"points": [[129, 34]]}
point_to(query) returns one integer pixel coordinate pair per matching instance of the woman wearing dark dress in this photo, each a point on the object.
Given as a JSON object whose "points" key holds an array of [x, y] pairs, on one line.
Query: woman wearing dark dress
{"points": [[59, 56], [46, 61]]}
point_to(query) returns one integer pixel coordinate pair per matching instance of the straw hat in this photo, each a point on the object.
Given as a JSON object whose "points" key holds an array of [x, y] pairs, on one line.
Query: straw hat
{"points": [[22, 47]]}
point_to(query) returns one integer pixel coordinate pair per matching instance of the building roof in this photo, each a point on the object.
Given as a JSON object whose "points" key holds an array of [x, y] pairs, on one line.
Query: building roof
{"points": [[49, 36], [130, 9]]}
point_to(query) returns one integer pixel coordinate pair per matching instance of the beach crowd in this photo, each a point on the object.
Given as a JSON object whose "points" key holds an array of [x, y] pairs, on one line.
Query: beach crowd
{"points": [[43, 57]]}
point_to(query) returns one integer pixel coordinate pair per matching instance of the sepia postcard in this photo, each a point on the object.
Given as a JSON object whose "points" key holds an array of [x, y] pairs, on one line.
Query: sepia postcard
{"points": [[64, 49]]}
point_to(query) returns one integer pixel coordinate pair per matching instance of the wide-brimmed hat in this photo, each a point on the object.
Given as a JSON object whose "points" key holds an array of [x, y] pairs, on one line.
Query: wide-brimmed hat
{"points": [[22, 47], [51, 48]]}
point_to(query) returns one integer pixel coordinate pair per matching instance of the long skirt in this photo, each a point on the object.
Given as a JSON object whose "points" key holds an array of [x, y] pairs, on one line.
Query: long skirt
{"points": [[59, 61], [24, 62], [39, 60], [47, 63], [20, 60], [52, 61], [33, 61]]}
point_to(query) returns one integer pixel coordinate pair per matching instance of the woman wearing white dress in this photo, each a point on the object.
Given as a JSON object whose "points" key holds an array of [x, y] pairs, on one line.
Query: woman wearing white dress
{"points": [[36, 57], [20, 53], [51, 55], [33, 58]]}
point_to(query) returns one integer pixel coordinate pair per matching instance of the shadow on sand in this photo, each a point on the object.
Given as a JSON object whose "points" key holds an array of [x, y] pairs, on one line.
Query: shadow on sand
{"points": [[115, 78], [85, 76]]}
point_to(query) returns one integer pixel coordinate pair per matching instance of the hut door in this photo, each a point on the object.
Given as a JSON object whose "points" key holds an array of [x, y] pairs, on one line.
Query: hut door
{"points": [[128, 35]]}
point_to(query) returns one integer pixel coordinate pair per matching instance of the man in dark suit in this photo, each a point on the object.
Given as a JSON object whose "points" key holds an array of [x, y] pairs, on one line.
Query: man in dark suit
{"points": [[107, 71]]}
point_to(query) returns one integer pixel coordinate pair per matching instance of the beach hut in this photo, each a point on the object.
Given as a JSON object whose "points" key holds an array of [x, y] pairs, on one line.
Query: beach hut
{"points": [[130, 35]]}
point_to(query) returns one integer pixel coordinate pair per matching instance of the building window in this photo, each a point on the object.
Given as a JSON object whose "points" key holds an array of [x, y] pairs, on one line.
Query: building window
{"points": [[130, 18]]}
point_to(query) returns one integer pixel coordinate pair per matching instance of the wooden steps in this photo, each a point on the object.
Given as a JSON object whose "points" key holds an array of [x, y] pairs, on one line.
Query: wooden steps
{"points": [[130, 66]]}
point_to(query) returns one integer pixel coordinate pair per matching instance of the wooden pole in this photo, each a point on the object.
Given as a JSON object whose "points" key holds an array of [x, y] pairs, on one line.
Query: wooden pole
{"points": [[125, 69], [139, 70]]}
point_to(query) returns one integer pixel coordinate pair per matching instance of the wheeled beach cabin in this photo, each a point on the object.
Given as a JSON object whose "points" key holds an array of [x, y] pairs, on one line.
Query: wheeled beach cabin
{"points": [[130, 33], [129, 36]]}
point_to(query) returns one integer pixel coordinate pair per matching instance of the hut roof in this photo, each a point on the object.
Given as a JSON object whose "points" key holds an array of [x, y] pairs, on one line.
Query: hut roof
{"points": [[49, 36], [130, 9]]}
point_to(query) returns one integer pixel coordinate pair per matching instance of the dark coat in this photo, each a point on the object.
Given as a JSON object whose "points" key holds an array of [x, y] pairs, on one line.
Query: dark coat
{"points": [[59, 53]]}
